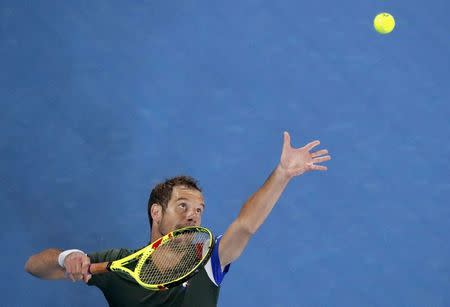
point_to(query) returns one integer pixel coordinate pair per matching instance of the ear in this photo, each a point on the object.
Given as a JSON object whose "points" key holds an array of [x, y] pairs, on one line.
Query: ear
{"points": [[156, 212]]}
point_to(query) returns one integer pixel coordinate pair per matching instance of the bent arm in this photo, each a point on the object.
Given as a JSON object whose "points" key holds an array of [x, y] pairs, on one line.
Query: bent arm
{"points": [[45, 265]]}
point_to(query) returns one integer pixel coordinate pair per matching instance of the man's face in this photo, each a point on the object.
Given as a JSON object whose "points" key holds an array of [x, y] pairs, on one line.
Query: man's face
{"points": [[185, 208]]}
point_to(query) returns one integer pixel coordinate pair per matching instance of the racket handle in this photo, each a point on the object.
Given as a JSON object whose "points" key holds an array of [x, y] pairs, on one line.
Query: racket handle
{"points": [[98, 268]]}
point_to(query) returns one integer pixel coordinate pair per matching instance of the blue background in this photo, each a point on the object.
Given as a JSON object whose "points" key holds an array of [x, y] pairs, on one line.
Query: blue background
{"points": [[100, 100]]}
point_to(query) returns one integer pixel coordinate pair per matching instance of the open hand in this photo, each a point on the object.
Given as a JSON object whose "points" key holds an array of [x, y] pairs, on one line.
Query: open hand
{"points": [[296, 161]]}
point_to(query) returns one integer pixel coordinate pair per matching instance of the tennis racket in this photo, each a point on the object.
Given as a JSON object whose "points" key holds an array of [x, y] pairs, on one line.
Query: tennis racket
{"points": [[167, 262]]}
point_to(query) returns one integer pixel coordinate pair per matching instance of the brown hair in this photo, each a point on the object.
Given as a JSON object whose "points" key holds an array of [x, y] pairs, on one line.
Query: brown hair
{"points": [[162, 192]]}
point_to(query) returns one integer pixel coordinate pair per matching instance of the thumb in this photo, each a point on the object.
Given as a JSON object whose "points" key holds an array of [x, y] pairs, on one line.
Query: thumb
{"points": [[87, 277], [286, 140]]}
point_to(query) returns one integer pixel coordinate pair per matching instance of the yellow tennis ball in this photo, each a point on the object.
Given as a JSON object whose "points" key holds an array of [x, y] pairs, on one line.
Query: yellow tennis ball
{"points": [[384, 23]]}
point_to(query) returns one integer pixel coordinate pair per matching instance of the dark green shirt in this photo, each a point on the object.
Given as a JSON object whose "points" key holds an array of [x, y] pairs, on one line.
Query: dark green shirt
{"points": [[202, 290]]}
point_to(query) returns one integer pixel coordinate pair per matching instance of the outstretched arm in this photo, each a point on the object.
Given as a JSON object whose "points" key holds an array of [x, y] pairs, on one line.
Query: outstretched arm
{"points": [[293, 162]]}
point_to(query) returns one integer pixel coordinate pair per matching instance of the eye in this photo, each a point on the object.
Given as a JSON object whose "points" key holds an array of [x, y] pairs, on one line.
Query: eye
{"points": [[182, 205], [199, 210]]}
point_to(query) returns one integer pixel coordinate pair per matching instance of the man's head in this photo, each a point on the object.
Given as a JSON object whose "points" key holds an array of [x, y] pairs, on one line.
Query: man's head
{"points": [[175, 203]]}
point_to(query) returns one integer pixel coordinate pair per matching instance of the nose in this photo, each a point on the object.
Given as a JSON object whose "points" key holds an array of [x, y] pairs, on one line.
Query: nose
{"points": [[192, 216]]}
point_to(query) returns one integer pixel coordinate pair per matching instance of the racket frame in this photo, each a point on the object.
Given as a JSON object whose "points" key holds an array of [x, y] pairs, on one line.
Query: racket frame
{"points": [[143, 254]]}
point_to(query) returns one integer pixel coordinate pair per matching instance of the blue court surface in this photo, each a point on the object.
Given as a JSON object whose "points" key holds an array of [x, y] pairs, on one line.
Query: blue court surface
{"points": [[100, 100]]}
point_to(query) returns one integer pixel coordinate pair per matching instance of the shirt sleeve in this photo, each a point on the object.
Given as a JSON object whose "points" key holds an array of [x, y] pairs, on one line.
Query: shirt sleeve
{"points": [[108, 255], [216, 267]]}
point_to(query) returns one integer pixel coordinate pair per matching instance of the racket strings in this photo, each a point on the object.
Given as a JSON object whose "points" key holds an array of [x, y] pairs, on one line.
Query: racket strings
{"points": [[175, 259]]}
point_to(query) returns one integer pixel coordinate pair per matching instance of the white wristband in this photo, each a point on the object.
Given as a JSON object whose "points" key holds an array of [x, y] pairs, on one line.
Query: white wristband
{"points": [[66, 253]]}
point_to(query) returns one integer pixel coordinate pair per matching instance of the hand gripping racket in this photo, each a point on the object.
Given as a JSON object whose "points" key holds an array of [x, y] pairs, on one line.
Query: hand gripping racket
{"points": [[167, 262]]}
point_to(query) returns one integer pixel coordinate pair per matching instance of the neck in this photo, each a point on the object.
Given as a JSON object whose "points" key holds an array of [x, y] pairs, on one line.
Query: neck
{"points": [[155, 233]]}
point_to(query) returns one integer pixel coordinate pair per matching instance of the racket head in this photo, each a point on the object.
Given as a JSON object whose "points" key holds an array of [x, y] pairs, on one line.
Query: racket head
{"points": [[170, 260]]}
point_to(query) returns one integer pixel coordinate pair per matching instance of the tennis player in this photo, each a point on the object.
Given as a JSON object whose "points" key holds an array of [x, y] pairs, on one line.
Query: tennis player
{"points": [[173, 204]]}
